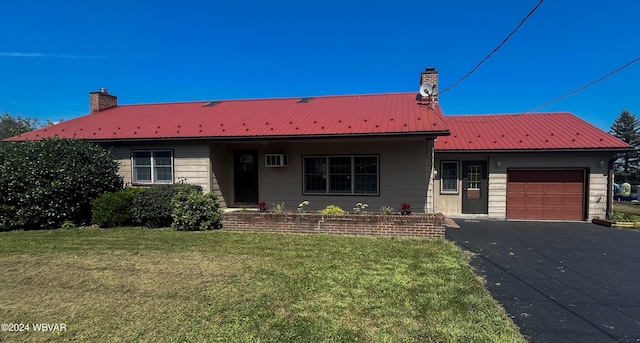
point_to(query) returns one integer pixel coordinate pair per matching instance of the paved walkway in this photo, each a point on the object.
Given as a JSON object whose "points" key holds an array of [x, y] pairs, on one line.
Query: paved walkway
{"points": [[560, 282]]}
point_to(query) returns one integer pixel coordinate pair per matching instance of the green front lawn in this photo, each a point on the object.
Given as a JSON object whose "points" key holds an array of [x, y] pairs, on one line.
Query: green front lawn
{"points": [[626, 211], [132, 284]]}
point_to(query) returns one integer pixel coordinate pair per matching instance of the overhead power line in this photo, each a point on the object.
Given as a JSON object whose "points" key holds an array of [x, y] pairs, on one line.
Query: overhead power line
{"points": [[583, 87], [494, 50], [503, 117]]}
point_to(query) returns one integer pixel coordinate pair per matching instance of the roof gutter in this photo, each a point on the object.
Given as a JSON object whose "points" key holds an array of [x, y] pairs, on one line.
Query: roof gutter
{"points": [[613, 149], [429, 134]]}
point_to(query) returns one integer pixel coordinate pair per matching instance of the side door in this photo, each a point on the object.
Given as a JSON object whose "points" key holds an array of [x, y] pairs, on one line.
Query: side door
{"points": [[475, 186]]}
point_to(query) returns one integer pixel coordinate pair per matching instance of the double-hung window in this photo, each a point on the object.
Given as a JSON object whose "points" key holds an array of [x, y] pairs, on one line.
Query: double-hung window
{"points": [[152, 166], [341, 174], [449, 177]]}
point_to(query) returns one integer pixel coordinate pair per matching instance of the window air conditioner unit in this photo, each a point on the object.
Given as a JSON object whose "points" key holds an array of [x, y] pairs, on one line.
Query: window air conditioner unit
{"points": [[275, 160]]}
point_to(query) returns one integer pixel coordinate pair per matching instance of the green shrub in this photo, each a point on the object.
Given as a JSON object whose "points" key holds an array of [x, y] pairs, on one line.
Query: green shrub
{"points": [[44, 183], [332, 209], [67, 224], [360, 208], [302, 207], [388, 210], [152, 206], [622, 216], [115, 208], [194, 211], [278, 208]]}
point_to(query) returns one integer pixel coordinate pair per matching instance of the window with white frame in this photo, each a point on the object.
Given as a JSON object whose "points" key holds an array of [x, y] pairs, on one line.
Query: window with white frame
{"points": [[152, 166], [341, 174], [449, 177]]}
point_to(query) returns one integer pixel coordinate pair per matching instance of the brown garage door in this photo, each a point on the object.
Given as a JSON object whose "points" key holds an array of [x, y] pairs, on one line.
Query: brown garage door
{"points": [[545, 194]]}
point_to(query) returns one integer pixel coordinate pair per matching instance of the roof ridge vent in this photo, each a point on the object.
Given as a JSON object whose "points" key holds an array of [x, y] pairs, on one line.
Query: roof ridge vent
{"points": [[304, 100], [211, 103]]}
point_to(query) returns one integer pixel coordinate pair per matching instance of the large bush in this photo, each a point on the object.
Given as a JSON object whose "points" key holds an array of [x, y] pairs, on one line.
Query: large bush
{"points": [[152, 206], [194, 211], [44, 183], [114, 209]]}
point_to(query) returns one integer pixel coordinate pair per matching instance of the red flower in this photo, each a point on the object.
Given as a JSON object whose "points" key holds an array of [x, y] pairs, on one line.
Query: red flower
{"points": [[405, 208]]}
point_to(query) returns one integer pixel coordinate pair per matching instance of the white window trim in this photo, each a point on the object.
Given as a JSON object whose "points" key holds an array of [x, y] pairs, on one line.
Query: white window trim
{"points": [[153, 165], [327, 176], [450, 191]]}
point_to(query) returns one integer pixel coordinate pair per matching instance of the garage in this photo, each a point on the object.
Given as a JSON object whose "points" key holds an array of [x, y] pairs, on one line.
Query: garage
{"points": [[546, 194]]}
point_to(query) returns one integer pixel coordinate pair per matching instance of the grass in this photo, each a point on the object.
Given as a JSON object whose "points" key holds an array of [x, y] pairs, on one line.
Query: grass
{"points": [[131, 284], [626, 211]]}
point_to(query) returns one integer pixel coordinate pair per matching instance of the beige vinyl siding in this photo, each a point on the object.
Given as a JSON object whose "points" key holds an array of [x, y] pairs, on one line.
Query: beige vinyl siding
{"points": [[190, 161], [192, 166], [221, 173], [452, 203], [596, 180], [123, 156], [403, 176], [403, 170], [447, 203]]}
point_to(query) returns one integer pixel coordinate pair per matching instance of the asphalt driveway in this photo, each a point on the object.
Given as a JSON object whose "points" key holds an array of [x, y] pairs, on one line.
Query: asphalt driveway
{"points": [[560, 282]]}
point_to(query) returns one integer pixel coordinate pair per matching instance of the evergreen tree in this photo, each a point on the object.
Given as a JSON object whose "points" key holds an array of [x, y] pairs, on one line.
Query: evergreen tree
{"points": [[626, 128]]}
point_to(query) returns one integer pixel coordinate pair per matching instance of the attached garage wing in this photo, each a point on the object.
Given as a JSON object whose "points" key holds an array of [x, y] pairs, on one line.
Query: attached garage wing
{"points": [[546, 194]]}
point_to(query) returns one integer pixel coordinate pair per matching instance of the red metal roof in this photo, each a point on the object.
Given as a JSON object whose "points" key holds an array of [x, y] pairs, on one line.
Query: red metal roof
{"points": [[374, 114], [536, 131], [382, 114]]}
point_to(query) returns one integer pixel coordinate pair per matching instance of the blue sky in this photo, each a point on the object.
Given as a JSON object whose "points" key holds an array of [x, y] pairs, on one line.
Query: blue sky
{"points": [[54, 53]]}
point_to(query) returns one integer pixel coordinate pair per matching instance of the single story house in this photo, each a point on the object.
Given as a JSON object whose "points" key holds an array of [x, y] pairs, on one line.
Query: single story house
{"points": [[379, 149]]}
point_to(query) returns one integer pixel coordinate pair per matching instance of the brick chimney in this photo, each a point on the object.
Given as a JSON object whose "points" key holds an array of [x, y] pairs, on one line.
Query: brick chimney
{"points": [[430, 75], [101, 100]]}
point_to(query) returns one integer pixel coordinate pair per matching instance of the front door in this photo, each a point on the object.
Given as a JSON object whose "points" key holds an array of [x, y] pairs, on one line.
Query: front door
{"points": [[474, 187], [245, 176]]}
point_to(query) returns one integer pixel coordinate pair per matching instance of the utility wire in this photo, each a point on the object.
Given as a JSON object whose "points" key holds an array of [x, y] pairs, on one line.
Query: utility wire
{"points": [[503, 117], [494, 50], [583, 87]]}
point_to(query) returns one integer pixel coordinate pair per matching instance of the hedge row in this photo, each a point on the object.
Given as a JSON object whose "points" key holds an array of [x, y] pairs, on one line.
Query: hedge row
{"points": [[114, 209], [181, 206], [47, 183]]}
